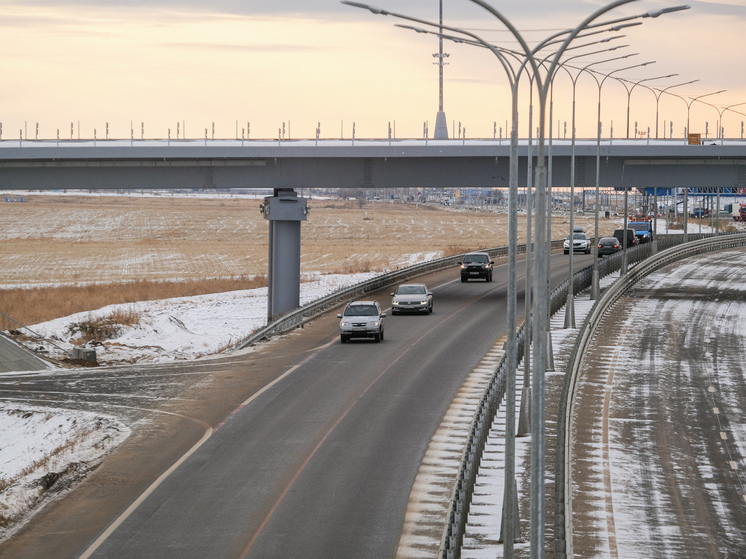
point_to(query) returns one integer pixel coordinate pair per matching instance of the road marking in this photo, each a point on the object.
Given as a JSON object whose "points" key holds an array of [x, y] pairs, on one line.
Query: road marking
{"points": [[716, 411], [724, 435], [733, 465], [112, 527]]}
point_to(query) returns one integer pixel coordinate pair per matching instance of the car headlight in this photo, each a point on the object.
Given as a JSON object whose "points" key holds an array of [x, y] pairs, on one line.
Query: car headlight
{"points": [[395, 303], [373, 323], [345, 324], [423, 302]]}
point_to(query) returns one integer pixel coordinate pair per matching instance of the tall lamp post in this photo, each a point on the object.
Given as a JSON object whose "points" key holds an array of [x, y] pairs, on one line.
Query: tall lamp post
{"points": [[600, 83], [691, 102], [630, 89], [570, 304], [720, 114], [658, 96], [540, 278], [441, 126]]}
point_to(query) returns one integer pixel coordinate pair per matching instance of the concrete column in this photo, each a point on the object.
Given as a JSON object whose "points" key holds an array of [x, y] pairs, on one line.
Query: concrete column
{"points": [[284, 211]]}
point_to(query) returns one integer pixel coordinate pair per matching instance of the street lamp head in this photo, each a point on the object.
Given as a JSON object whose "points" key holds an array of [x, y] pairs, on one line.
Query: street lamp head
{"points": [[365, 7], [656, 13], [625, 25], [412, 28]]}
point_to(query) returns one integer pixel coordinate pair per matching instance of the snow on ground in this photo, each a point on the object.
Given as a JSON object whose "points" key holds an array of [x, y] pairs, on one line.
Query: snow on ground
{"points": [[178, 328], [183, 327], [41, 442], [48, 450]]}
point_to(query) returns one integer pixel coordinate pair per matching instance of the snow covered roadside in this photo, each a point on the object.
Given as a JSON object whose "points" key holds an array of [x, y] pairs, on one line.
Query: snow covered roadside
{"points": [[182, 327], [45, 451]]}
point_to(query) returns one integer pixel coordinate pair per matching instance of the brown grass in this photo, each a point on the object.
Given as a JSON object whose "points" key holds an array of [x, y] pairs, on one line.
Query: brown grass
{"points": [[95, 246], [32, 306]]}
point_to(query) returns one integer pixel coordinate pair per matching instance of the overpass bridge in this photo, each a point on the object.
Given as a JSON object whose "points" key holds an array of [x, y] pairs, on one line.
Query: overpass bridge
{"points": [[288, 165], [295, 164]]}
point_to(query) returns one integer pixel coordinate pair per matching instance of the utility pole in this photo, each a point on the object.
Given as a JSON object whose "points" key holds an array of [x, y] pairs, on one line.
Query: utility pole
{"points": [[441, 127]]}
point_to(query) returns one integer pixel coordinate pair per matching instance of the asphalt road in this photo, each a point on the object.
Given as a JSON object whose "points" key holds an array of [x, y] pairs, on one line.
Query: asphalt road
{"points": [[16, 358], [303, 447], [660, 413]]}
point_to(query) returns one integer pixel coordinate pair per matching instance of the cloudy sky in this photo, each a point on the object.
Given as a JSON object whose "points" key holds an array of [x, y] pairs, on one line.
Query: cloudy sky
{"points": [[257, 64]]}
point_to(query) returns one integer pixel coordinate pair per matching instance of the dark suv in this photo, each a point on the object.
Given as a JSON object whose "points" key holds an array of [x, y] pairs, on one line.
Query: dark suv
{"points": [[631, 237], [476, 265]]}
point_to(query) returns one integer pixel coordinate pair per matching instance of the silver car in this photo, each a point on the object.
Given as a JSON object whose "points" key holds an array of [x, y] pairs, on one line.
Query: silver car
{"points": [[580, 243], [412, 297], [361, 319]]}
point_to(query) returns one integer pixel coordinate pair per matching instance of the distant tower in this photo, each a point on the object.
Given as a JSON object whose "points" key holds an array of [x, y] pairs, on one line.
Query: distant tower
{"points": [[441, 127]]}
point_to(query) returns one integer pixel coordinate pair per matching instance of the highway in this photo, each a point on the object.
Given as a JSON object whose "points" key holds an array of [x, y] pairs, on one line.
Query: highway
{"points": [[301, 448], [658, 448]]}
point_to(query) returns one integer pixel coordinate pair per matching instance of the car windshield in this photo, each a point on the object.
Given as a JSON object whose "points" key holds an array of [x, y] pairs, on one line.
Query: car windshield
{"points": [[361, 310], [479, 258], [579, 236], [609, 240], [411, 290], [639, 226]]}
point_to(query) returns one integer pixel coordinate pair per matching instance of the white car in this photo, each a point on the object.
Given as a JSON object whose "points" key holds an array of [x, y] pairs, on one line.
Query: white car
{"points": [[580, 243], [361, 319]]}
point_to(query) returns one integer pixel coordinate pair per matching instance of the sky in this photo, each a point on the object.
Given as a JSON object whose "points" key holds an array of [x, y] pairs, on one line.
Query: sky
{"points": [[251, 67]]}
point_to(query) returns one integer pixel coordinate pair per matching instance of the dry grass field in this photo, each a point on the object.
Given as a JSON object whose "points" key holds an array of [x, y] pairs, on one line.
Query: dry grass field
{"points": [[61, 254]]}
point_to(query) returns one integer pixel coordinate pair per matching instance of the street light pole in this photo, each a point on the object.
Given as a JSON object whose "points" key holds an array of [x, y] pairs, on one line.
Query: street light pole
{"points": [[441, 126], [570, 304], [658, 96], [595, 280], [631, 89]]}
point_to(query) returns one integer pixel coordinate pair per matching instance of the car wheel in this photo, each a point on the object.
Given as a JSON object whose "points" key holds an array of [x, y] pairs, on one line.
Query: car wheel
{"points": [[567, 251], [381, 334], [343, 339], [490, 277], [431, 310], [376, 338], [463, 279]]}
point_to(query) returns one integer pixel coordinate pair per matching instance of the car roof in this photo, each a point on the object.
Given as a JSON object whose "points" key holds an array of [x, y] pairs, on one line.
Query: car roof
{"points": [[417, 284], [354, 303], [608, 239], [477, 252]]}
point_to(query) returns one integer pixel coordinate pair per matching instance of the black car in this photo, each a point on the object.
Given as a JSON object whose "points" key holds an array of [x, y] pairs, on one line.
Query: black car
{"points": [[608, 245], [476, 265], [631, 237]]}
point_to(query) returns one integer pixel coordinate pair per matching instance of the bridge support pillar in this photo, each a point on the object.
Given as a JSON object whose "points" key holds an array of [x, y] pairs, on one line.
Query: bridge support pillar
{"points": [[284, 211]]}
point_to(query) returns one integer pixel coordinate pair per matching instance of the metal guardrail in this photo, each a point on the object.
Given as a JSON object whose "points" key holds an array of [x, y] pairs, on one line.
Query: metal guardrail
{"points": [[307, 312], [10, 324], [673, 252]]}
